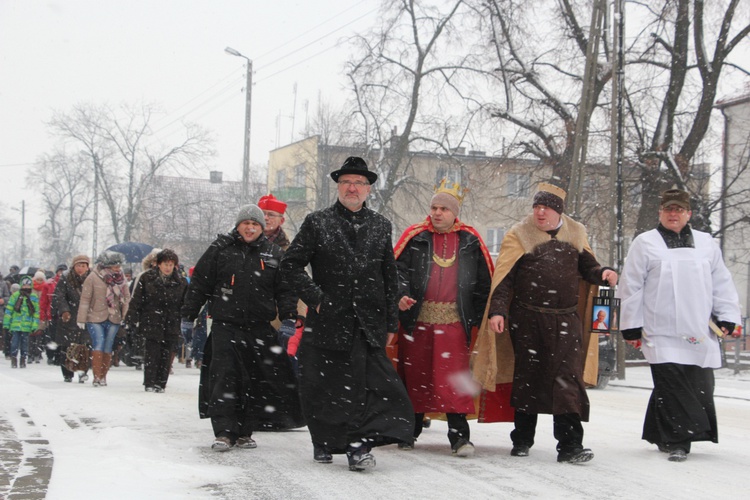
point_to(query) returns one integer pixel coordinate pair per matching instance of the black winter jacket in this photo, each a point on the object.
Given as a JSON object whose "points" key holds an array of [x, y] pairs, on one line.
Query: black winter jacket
{"points": [[154, 311], [354, 276], [67, 299], [414, 266], [241, 282]]}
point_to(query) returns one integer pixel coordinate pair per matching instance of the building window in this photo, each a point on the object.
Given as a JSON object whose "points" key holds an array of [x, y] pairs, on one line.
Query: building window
{"points": [[299, 175], [280, 179], [494, 238], [518, 185], [452, 174]]}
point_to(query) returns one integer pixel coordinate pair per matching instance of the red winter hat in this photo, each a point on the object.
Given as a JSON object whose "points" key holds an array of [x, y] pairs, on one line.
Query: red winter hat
{"points": [[270, 202]]}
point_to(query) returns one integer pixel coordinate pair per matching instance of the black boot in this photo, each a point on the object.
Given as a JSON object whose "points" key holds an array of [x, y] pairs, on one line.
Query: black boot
{"points": [[23, 361], [13, 362], [321, 454]]}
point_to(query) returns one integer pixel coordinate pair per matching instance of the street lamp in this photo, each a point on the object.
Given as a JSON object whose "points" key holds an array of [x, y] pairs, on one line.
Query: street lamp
{"points": [[248, 107], [23, 230]]}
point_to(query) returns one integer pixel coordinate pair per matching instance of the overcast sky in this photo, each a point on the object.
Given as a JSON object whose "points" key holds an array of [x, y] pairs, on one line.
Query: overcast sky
{"points": [[55, 54]]}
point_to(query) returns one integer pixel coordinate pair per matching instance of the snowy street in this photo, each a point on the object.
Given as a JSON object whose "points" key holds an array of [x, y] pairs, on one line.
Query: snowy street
{"points": [[75, 441]]}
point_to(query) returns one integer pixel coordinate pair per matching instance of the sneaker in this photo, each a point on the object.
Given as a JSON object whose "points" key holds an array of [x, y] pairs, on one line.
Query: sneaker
{"points": [[159, 389], [96, 382], [150, 389], [578, 456], [244, 442], [463, 448], [677, 455], [68, 379], [519, 450], [82, 378], [321, 454], [662, 448], [221, 444], [359, 459], [406, 446]]}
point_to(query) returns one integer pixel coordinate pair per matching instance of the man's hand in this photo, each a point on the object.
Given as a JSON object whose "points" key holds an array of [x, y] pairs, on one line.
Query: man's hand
{"points": [[82, 326], [635, 343], [405, 303], [497, 323], [610, 277]]}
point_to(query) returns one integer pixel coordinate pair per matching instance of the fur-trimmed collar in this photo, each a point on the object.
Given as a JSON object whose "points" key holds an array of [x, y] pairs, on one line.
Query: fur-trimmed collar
{"points": [[530, 237]]}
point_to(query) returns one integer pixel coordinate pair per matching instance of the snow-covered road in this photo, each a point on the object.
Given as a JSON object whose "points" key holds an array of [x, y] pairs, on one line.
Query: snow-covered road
{"points": [[77, 442]]}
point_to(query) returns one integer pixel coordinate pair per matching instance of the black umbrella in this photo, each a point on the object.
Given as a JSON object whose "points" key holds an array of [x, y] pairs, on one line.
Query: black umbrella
{"points": [[133, 252]]}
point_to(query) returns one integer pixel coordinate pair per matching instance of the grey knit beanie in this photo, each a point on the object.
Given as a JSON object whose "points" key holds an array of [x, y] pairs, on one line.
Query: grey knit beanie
{"points": [[251, 212], [108, 258]]}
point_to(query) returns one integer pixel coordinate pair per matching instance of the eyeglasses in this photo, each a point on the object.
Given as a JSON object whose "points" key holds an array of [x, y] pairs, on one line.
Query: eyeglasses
{"points": [[674, 209], [356, 184]]}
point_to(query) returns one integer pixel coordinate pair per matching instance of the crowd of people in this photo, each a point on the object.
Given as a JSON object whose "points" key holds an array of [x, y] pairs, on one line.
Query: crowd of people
{"points": [[363, 343]]}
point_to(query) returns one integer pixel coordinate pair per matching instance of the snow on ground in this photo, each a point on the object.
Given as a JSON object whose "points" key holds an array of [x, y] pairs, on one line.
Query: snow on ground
{"points": [[121, 442]]}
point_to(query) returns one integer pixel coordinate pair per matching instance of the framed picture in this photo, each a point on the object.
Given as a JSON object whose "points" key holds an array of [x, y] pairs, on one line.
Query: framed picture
{"points": [[605, 315]]}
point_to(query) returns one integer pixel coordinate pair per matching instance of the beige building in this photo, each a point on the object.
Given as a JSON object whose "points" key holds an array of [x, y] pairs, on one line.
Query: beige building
{"points": [[499, 189], [735, 208]]}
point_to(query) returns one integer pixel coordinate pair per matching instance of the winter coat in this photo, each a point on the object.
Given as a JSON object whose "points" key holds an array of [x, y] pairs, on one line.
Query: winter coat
{"points": [[23, 320], [4, 295], [241, 281], [67, 299], [414, 264], [93, 307], [154, 310], [354, 278]]}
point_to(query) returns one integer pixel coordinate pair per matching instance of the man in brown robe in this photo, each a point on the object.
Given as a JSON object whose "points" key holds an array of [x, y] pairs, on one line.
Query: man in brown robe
{"points": [[535, 295]]}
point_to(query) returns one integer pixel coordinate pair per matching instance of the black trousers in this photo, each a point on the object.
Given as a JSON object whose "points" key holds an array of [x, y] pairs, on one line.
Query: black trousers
{"points": [[157, 362], [567, 430], [458, 426]]}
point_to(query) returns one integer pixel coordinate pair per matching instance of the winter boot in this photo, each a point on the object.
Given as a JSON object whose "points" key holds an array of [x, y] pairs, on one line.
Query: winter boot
{"points": [[106, 363], [82, 377], [14, 362], [96, 368], [23, 361]]}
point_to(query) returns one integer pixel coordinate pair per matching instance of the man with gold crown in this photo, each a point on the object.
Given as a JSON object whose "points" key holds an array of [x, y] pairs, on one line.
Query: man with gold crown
{"points": [[532, 326], [444, 271]]}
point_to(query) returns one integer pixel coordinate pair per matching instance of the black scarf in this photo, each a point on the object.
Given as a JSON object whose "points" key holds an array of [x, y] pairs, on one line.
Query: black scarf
{"points": [[683, 239]]}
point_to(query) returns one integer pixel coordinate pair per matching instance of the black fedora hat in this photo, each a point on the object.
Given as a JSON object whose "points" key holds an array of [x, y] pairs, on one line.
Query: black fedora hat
{"points": [[354, 165]]}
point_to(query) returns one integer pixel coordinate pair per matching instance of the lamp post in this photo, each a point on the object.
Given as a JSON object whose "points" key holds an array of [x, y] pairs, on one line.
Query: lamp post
{"points": [[23, 230], [248, 107]]}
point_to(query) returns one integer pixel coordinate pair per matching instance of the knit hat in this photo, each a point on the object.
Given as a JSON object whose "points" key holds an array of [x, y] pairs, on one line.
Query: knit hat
{"points": [[675, 197], [25, 282], [109, 258], [449, 198], [251, 212], [270, 202], [61, 267], [81, 258], [40, 276], [550, 196]]}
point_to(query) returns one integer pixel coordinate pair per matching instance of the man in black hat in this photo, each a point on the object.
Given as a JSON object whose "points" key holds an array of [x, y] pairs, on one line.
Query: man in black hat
{"points": [[673, 282], [351, 395]]}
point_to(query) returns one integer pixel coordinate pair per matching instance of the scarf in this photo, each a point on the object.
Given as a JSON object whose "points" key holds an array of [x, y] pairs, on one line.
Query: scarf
{"points": [[25, 297], [114, 280]]}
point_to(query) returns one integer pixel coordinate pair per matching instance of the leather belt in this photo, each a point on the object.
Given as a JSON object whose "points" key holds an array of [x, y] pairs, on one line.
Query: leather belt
{"points": [[547, 310]]}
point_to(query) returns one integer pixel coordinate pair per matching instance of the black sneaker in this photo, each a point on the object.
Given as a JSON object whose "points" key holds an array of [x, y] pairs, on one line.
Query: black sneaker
{"points": [[359, 458], [578, 456], [519, 450], [463, 448], [406, 446], [246, 443], [677, 455], [321, 454]]}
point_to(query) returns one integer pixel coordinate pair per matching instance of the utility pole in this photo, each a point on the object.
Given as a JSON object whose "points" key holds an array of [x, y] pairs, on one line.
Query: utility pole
{"points": [[96, 207], [616, 158], [248, 109], [23, 231]]}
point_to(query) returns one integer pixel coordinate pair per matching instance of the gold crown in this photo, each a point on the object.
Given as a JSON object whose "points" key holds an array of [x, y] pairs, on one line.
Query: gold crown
{"points": [[551, 188], [456, 191]]}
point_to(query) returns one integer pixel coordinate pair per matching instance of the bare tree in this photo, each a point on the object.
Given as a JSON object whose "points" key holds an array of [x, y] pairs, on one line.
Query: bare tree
{"points": [[404, 82], [127, 154], [668, 127], [64, 184]]}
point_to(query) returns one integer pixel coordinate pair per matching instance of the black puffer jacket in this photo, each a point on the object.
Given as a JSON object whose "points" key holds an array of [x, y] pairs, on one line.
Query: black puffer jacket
{"points": [[354, 276], [154, 311], [241, 282], [414, 265], [67, 299]]}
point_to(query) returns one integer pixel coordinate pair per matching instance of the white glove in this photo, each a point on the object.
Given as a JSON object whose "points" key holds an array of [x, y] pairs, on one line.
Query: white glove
{"points": [[82, 326]]}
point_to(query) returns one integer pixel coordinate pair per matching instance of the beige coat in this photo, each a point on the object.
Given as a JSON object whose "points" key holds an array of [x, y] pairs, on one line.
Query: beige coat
{"points": [[93, 307]]}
